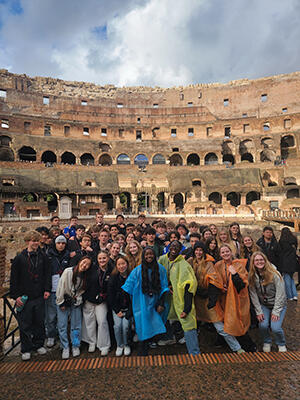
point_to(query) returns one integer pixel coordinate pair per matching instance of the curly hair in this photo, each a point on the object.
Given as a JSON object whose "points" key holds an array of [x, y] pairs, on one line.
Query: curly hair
{"points": [[150, 275]]}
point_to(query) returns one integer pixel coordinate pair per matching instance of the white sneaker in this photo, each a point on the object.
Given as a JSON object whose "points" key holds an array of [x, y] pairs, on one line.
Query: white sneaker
{"points": [[65, 354], [127, 351], [104, 352], [182, 340], [92, 348], [282, 349], [119, 351], [267, 347], [166, 342], [75, 351], [41, 351], [50, 342], [26, 356]]}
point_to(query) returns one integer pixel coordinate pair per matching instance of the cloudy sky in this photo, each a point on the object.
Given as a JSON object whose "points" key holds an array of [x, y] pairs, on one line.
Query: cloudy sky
{"points": [[150, 42]]}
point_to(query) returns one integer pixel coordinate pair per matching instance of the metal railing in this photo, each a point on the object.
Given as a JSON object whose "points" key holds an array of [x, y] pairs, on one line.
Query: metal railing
{"points": [[11, 328]]}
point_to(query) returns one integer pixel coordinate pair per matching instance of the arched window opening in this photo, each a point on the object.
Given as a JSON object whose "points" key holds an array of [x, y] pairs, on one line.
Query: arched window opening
{"points": [[216, 197], [141, 160], [105, 160], [178, 200], [161, 201], [228, 159], [247, 157], [27, 153], [193, 159], [287, 141], [158, 159], [196, 183], [6, 154], [108, 200], [286, 145], [292, 194], [175, 160], [290, 180], [87, 159], [143, 200], [51, 199], [5, 140], [123, 159], [234, 198], [30, 197], [252, 196], [267, 155], [49, 157], [125, 200], [68, 158], [211, 159]]}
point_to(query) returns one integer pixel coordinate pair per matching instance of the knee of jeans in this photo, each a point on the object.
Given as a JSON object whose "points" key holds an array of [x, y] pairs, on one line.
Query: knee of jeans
{"points": [[264, 324], [276, 328]]}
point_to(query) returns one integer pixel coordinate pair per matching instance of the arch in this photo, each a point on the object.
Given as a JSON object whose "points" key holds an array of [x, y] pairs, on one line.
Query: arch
{"points": [[267, 155], [158, 159], [292, 193], [6, 154], [105, 160], [193, 159], [30, 197], [252, 196], [178, 200], [267, 142], [175, 160], [211, 159], [289, 180], [196, 182], [141, 160], [216, 197], [125, 200], [108, 200], [161, 201], [5, 140], [143, 200], [52, 202], [49, 157], [87, 159], [287, 141], [123, 159], [247, 157], [27, 153], [246, 146], [68, 158], [234, 198], [228, 159]]}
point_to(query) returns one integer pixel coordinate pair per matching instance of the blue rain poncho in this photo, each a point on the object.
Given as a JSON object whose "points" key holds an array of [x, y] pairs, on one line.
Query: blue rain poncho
{"points": [[148, 322]]}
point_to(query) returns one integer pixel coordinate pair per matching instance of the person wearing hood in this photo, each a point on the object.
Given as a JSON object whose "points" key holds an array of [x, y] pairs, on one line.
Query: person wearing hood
{"points": [[59, 258], [183, 287]]}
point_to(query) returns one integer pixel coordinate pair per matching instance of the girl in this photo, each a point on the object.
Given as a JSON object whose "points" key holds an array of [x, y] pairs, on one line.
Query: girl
{"points": [[114, 252], [214, 230], [268, 297], [119, 302], [206, 234], [120, 238], [236, 236], [95, 307], [70, 289], [224, 238], [133, 253], [129, 238], [248, 247], [147, 285], [288, 261], [211, 248]]}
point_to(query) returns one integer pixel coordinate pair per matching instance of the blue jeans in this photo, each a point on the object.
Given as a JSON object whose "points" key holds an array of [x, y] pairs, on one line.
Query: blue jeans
{"points": [[230, 340], [51, 316], [62, 325], [275, 326], [121, 329], [290, 286], [191, 341]]}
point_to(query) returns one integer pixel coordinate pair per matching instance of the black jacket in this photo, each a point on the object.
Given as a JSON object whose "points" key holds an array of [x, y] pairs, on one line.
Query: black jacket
{"points": [[58, 261], [271, 250], [116, 297], [97, 282], [30, 275], [288, 257]]}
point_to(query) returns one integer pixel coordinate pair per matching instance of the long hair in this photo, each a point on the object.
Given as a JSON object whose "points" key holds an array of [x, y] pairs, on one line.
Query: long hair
{"points": [[239, 235], [214, 253], [287, 236], [244, 249], [115, 270], [267, 273], [152, 285], [136, 260], [229, 242], [81, 275]]}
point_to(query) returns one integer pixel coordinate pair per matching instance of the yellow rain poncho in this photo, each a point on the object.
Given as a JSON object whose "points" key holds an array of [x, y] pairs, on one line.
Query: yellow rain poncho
{"points": [[180, 273]]}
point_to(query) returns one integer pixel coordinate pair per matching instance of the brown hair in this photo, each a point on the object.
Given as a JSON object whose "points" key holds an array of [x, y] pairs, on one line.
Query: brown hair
{"points": [[134, 261], [32, 235], [268, 271]]}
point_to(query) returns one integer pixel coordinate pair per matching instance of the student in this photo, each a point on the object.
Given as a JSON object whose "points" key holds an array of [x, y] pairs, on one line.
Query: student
{"points": [[85, 249], [193, 227], [99, 220], [151, 242], [104, 240], [214, 230], [183, 286], [74, 241], [194, 238], [31, 277], [120, 222], [94, 231], [236, 236], [224, 238], [70, 289], [211, 246], [183, 232], [45, 239], [59, 257], [268, 297], [147, 285], [95, 306], [119, 302], [114, 252], [142, 221], [114, 232], [133, 253], [248, 247], [55, 222], [269, 246], [69, 230], [122, 242]]}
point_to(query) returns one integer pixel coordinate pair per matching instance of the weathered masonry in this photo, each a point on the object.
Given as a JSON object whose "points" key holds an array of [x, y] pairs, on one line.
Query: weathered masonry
{"points": [[207, 148]]}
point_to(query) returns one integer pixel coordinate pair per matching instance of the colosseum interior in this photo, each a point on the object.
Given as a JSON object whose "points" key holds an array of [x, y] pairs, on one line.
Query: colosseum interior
{"points": [[203, 149]]}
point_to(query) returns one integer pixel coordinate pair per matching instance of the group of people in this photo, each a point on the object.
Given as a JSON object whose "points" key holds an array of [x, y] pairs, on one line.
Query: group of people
{"points": [[156, 284]]}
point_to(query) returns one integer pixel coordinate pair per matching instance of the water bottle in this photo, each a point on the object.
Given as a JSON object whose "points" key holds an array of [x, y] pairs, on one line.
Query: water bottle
{"points": [[24, 298]]}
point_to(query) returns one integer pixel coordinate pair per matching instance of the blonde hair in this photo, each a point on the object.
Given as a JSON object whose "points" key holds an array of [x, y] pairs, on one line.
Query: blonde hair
{"points": [[32, 235], [244, 248], [267, 272], [134, 261]]}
